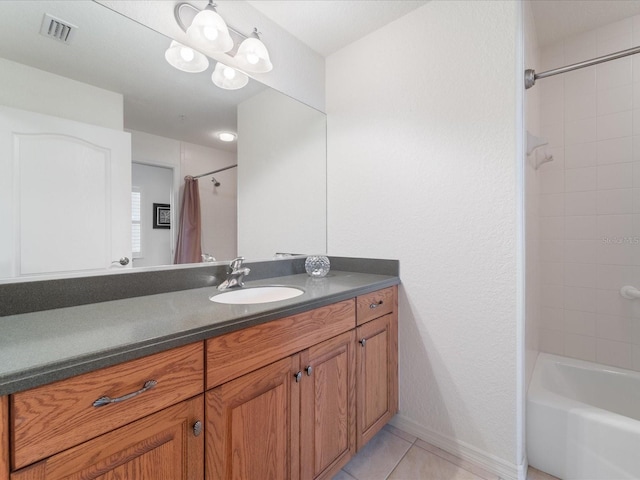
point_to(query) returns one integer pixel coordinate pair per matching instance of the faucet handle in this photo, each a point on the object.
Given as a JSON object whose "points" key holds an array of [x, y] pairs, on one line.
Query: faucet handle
{"points": [[236, 263]]}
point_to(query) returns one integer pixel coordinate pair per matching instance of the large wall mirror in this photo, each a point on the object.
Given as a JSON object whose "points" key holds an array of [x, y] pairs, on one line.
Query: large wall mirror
{"points": [[60, 100]]}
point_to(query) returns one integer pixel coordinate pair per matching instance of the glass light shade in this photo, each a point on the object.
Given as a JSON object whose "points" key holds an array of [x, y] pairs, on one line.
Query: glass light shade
{"points": [[185, 58], [253, 56], [226, 136], [228, 78], [209, 31]]}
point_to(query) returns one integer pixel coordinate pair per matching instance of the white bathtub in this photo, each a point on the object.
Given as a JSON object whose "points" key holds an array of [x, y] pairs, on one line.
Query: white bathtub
{"points": [[583, 420]]}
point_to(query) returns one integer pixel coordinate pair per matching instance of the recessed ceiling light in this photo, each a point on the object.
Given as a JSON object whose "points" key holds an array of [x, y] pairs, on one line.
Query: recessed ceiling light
{"points": [[226, 136]]}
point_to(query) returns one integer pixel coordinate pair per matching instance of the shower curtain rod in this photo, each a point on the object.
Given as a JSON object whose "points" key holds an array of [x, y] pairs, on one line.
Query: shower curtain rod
{"points": [[530, 75], [215, 171]]}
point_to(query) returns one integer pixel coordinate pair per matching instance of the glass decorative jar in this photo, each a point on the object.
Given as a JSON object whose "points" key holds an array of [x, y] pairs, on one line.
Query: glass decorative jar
{"points": [[317, 266]]}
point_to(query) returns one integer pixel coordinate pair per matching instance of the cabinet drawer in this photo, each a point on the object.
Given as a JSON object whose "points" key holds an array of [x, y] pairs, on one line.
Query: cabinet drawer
{"points": [[54, 417], [376, 304], [240, 352]]}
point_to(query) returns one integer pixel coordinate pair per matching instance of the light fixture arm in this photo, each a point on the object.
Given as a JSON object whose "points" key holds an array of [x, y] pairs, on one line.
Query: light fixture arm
{"points": [[185, 13]]}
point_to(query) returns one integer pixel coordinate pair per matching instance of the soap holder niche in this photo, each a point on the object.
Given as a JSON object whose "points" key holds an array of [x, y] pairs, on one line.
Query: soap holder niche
{"points": [[537, 156]]}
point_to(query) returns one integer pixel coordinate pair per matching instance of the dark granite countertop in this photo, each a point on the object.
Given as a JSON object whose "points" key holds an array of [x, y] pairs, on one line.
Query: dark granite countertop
{"points": [[42, 347]]}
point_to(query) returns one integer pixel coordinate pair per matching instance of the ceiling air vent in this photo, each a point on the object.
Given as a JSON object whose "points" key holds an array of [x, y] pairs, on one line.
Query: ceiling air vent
{"points": [[57, 29]]}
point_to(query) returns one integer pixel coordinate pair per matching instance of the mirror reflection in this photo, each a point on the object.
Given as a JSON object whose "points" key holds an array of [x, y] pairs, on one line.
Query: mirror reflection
{"points": [[98, 134]]}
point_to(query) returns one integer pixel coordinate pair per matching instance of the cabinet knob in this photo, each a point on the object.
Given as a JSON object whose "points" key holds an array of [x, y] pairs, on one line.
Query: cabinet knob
{"points": [[298, 377], [197, 428], [376, 305], [309, 370], [363, 342]]}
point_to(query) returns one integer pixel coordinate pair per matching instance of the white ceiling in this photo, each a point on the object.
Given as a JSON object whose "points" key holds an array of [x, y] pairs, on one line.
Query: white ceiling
{"points": [[558, 19], [328, 25], [324, 25]]}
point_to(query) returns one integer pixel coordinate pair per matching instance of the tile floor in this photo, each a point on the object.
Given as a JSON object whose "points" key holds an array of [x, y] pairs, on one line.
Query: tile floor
{"points": [[396, 455]]}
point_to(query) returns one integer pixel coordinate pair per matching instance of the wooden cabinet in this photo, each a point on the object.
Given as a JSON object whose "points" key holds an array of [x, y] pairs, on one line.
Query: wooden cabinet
{"points": [[4, 438], [376, 304], [49, 419], [252, 425], [293, 398], [164, 445], [327, 407], [293, 419], [377, 377]]}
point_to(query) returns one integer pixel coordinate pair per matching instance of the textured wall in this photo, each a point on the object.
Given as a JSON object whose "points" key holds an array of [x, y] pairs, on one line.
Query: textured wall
{"points": [[422, 167]]}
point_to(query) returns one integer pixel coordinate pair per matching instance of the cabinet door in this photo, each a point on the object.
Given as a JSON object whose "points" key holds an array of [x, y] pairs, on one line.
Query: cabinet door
{"points": [[253, 425], [327, 407], [165, 445], [4, 438], [377, 378]]}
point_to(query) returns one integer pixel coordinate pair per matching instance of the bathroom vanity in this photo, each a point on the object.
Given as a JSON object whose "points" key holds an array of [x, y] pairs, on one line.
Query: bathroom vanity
{"points": [[290, 390]]}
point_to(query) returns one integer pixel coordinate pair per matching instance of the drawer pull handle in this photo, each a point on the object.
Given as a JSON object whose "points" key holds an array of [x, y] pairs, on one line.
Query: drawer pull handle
{"points": [[197, 428], [376, 305], [102, 401]]}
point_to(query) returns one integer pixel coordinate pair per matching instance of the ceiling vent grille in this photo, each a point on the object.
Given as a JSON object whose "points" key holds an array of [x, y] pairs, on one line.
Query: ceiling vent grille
{"points": [[57, 29]]}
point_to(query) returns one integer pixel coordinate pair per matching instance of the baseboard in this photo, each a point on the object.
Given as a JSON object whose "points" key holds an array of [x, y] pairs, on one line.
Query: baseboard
{"points": [[522, 470], [491, 463]]}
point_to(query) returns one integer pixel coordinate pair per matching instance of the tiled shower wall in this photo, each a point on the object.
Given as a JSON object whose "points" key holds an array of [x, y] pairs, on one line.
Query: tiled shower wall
{"points": [[590, 199]]}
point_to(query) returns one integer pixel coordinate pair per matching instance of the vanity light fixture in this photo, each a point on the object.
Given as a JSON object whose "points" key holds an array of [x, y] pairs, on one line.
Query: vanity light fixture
{"points": [[185, 58], [228, 78], [226, 136], [209, 31], [253, 56]]}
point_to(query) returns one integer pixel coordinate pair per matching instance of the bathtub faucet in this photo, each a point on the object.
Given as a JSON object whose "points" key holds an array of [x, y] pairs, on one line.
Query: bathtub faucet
{"points": [[236, 275]]}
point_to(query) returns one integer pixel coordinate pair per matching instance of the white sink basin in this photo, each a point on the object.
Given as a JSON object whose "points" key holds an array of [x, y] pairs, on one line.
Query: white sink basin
{"points": [[251, 295]]}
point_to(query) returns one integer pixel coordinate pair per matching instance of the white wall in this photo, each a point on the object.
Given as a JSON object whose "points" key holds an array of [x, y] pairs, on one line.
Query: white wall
{"points": [[590, 198], [156, 186], [422, 167], [218, 205], [282, 177], [35, 90]]}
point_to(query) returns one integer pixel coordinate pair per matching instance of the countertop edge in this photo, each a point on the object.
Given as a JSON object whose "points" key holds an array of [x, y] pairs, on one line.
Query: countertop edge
{"points": [[23, 380]]}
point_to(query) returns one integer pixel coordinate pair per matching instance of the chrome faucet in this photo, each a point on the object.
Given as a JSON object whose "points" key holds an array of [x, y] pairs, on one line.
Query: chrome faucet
{"points": [[236, 275]]}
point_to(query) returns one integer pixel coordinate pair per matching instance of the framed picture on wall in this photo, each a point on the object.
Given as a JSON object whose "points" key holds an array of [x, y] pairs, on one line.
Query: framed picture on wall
{"points": [[161, 215]]}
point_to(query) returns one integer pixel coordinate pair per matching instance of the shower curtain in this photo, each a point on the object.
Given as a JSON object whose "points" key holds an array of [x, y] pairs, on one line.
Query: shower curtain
{"points": [[189, 246]]}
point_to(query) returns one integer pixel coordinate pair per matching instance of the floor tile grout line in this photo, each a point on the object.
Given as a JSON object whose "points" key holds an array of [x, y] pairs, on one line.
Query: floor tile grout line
{"points": [[411, 444], [399, 461], [437, 454]]}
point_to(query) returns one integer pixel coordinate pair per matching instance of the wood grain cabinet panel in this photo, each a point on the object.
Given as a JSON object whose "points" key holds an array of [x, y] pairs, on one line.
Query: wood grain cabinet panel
{"points": [[327, 407], [161, 446], [4, 438], [377, 377], [252, 425], [49, 419], [237, 353], [376, 304]]}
